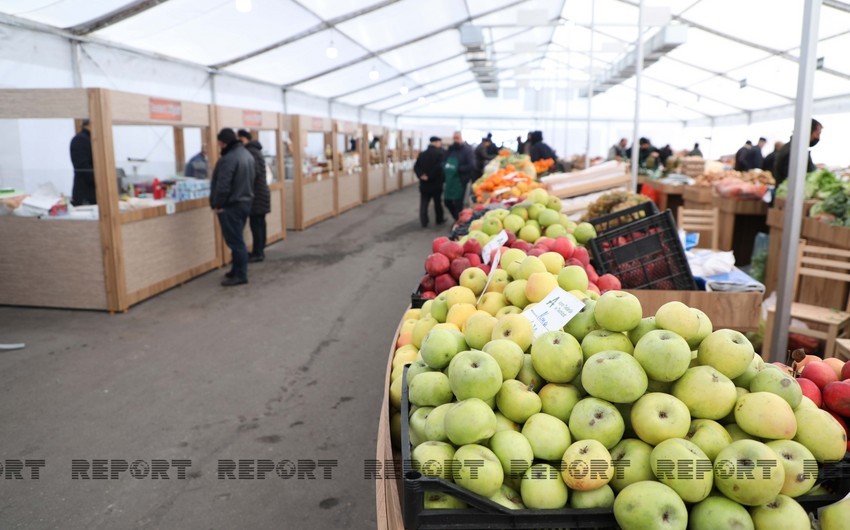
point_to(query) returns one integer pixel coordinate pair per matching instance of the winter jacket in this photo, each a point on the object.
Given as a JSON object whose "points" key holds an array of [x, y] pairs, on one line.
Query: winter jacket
{"points": [[753, 158], [233, 178], [541, 151], [482, 157], [262, 196], [465, 159], [81, 158], [430, 163], [783, 159], [197, 167]]}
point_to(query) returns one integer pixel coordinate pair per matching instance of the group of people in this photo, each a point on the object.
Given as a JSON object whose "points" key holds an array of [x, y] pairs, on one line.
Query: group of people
{"points": [[750, 156], [435, 168], [535, 147], [649, 156]]}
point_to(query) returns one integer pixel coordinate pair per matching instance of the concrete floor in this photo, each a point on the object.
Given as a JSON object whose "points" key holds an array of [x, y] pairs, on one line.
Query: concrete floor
{"points": [[288, 367]]}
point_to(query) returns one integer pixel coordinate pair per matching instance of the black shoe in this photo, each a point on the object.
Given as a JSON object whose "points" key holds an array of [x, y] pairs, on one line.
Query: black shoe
{"points": [[425, 225], [229, 274], [255, 259], [229, 282], [441, 222]]}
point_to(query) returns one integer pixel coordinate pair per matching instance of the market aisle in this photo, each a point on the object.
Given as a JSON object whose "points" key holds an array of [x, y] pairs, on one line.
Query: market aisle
{"points": [[289, 367]]}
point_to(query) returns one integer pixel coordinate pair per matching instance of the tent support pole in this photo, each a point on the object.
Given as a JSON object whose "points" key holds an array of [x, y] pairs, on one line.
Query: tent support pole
{"points": [[638, 74], [590, 85]]}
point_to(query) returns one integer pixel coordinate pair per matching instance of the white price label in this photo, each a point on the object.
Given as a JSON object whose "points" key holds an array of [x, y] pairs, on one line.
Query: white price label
{"points": [[169, 207], [496, 242], [553, 312], [493, 268], [501, 191]]}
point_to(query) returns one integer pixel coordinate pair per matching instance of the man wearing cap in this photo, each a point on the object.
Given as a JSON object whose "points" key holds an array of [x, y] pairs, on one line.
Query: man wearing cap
{"points": [[81, 158], [231, 195], [429, 170]]}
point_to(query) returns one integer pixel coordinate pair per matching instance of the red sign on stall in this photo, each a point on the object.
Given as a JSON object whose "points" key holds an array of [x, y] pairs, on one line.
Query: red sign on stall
{"points": [[166, 109], [318, 124], [252, 118]]}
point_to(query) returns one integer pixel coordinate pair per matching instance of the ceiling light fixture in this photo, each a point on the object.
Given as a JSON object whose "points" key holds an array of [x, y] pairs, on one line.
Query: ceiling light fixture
{"points": [[404, 90], [374, 75], [243, 6]]}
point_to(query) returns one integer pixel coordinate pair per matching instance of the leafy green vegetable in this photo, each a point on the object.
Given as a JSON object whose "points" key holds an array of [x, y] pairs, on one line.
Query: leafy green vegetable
{"points": [[819, 185]]}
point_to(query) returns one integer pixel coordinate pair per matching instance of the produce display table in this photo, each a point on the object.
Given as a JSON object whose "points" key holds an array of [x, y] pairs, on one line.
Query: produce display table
{"points": [[349, 165], [374, 178], [740, 221], [669, 196], [311, 194], [698, 197]]}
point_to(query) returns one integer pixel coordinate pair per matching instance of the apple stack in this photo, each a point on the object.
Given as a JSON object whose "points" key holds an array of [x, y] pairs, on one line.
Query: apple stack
{"points": [[672, 424]]}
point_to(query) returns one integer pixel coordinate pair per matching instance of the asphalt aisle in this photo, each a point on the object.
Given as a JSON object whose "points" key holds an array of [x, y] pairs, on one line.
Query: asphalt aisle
{"points": [[289, 367]]}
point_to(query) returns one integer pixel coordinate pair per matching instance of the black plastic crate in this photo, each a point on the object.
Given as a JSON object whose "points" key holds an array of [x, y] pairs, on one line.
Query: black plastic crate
{"points": [[482, 513], [613, 220], [645, 254], [416, 301]]}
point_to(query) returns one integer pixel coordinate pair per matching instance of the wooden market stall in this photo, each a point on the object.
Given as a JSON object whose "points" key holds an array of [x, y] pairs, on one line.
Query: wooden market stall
{"points": [[123, 257], [374, 179], [311, 194], [406, 176], [255, 121], [349, 167], [392, 159], [740, 221]]}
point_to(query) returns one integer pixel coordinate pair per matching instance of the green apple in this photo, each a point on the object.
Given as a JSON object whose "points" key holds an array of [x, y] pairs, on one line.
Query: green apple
{"points": [[805, 402], [756, 365], [426, 308], [491, 302], [647, 504], [599, 498], [508, 310], [433, 459], [709, 436], [470, 421], [821, 434], [458, 314], [478, 329], [535, 210], [657, 417], [477, 469], [584, 232], [430, 389], [416, 425], [521, 211], [556, 356], [528, 375], [498, 281], [492, 226], [515, 328], [514, 223], [395, 429], [539, 285], [504, 424], [512, 255], [515, 293], [559, 399], [678, 318], [583, 322], [737, 433], [782, 513], [438, 348], [555, 231], [779, 383], [435, 423], [614, 376], [646, 325], [572, 278], [765, 415], [684, 467], [439, 307], [664, 355], [421, 329], [549, 217], [730, 418], [586, 465], [554, 203], [395, 393], [801, 468], [727, 350], [513, 451], [618, 311], [508, 497], [708, 393], [529, 266], [835, 516], [717, 512], [543, 489], [595, 419], [405, 355], [539, 196], [705, 329], [529, 233], [508, 354], [517, 402], [749, 473], [474, 374], [600, 340], [436, 500], [631, 461], [473, 279], [549, 437]]}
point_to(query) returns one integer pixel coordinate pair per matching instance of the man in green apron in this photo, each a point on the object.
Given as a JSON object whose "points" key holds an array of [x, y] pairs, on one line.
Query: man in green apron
{"points": [[453, 192]]}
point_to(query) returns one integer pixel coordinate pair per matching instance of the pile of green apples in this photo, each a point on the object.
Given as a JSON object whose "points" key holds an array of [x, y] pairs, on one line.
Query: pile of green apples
{"points": [[672, 424]]}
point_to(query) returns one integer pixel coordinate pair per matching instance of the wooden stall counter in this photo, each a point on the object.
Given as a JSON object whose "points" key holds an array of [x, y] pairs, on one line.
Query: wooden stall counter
{"points": [[311, 195], [349, 165], [374, 161], [740, 221], [698, 197]]}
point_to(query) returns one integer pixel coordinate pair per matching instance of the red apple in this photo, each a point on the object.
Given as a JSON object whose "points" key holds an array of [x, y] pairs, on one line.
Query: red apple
{"points": [[845, 372], [820, 374], [836, 397], [511, 238], [427, 283], [546, 242], [843, 422], [485, 268], [564, 247], [437, 264], [525, 246], [573, 261], [593, 287], [435, 245], [608, 282], [811, 391], [537, 251], [458, 266], [427, 295], [451, 249], [443, 283], [474, 259], [836, 364], [472, 246], [582, 255], [592, 275], [809, 359]]}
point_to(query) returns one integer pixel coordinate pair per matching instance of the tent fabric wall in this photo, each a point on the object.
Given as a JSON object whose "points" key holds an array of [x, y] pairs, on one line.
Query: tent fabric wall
{"points": [[34, 60]]}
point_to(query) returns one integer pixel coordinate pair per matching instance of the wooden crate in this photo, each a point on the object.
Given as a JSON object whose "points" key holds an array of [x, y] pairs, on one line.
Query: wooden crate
{"points": [[740, 311], [779, 204], [698, 197], [740, 221], [821, 291]]}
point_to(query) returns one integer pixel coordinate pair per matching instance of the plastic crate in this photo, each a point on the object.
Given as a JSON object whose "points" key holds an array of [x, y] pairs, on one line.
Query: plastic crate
{"points": [[645, 254], [416, 301], [482, 513], [607, 222]]}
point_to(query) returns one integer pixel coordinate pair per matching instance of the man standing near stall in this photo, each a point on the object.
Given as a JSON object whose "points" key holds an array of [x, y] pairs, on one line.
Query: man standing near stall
{"points": [[429, 170], [83, 191], [464, 157], [231, 195], [261, 205]]}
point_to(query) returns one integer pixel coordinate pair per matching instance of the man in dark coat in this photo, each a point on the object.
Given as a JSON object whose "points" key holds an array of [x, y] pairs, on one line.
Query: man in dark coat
{"points": [[198, 166], [83, 191], [231, 195], [262, 197], [482, 155], [540, 150], [465, 156], [429, 170], [741, 156], [770, 159], [783, 159], [754, 157]]}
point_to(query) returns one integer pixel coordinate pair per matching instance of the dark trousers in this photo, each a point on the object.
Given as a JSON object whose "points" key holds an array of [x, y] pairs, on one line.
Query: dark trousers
{"points": [[232, 220], [454, 206], [425, 197], [258, 231]]}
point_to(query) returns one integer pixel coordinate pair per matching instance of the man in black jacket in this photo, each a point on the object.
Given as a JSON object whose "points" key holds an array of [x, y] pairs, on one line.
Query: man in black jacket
{"points": [[741, 156], [540, 150], [231, 195], [770, 159], [783, 159], [754, 157], [83, 191], [262, 198], [429, 170], [466, 161]]}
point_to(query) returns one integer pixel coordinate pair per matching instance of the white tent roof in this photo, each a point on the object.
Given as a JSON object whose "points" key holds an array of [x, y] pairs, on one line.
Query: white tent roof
{"points": [[739, 57]]}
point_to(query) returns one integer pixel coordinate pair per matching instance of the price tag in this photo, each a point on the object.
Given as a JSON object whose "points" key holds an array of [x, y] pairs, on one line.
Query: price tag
{"points": [[496, 242], [169, 207], [492, 271], [553, 312], [501, 191]]}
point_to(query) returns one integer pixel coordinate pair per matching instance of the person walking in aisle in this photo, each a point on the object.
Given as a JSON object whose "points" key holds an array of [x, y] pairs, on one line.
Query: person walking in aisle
{"points": [[464, 157], [83, 191], [429, 170], [231, 195], [261, 204], [198, 166]]}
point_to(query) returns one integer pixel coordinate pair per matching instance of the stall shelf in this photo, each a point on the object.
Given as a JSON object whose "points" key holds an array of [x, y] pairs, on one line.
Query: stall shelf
{"points": [[123, 257], [373, 160], [349, 164], [312, 191], [392, 157]]}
